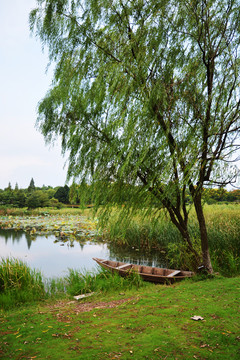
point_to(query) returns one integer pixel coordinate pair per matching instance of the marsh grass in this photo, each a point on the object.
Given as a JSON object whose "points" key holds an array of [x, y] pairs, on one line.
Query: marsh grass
{"points": [[19, 284], [145, 234], [55, 288], [101, 281], [223, 224], [6, 211]]}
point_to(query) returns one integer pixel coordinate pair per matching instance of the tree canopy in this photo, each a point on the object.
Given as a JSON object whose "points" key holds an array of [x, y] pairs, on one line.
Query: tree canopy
{"points": [[145, 93], [62, 194], [31, 186]]}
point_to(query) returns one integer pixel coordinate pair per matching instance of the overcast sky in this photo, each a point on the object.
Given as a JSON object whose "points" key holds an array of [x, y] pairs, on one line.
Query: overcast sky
{"points": [[24, 82]]}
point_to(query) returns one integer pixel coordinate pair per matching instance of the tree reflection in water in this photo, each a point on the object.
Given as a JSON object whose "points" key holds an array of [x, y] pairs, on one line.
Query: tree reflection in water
{"points": [[68, 252], [137, 256], [17, 236]]}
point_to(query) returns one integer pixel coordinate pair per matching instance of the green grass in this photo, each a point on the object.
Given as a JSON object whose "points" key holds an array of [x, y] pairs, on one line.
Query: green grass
{"points": [[19, 284], [152, 322]]}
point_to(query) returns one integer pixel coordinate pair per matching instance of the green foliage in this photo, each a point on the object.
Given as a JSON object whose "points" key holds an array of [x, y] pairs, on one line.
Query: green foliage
{"points": [[37, 199], [62, 194], [31, 197], [14, 198], [102, 281], [179, 256], [54, 203], [112, 105], [55, 288], [152, 233], [226, 262], [31, 187], [155, 233], [158, 233], [224, 229], [19, 284], [81, 194], [221, 194], [145, 94]]}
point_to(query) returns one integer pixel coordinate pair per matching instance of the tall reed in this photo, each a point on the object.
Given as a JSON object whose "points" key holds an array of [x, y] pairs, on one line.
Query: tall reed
{"points": [[18, 283], [148, 234], [224, 238], [223, 225], [103, 281]]}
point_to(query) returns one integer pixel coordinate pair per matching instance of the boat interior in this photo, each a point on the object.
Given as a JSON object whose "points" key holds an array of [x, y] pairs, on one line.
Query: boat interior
{"points": [[141, 269]]}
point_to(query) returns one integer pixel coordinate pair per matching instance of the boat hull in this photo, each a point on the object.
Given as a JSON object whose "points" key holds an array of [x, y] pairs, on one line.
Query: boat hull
{"points": [[148, 273]]}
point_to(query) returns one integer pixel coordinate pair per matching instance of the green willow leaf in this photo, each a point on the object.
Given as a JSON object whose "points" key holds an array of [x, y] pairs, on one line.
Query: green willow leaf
{"points": [[145, 98]]}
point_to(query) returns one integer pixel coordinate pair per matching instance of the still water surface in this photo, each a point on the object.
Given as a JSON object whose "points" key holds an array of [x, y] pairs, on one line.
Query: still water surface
{"points": [[53, 257]]}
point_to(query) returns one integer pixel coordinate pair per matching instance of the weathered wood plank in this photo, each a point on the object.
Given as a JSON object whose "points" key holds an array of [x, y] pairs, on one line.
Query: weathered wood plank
{"points": [[122, 266], [174, 273]]}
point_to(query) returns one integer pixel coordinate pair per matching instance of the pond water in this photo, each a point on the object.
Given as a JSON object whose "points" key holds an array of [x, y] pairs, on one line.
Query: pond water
{"points": [[53, 257]]}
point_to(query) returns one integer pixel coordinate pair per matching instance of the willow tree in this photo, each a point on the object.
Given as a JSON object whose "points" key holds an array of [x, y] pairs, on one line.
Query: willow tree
{"points": [[145, 96]]}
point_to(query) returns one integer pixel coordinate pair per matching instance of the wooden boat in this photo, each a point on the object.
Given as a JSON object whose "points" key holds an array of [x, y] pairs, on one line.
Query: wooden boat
{"points": [[148, 273]]}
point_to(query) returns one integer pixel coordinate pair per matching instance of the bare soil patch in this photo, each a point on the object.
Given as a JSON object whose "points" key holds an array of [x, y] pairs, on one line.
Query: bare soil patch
{"points": [[62, 309]]}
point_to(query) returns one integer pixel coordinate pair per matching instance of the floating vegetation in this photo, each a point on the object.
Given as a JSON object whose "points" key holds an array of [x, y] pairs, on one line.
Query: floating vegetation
{"points": [[62, 226]]}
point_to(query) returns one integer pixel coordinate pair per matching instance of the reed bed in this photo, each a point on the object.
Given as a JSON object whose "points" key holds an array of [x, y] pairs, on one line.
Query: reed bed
{"points": [[223, 224], [101, 281], [79, 282], [224, 238], [19, 283]]}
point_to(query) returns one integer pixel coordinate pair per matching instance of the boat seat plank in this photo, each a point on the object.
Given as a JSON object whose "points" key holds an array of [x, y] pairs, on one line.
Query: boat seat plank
{"points": [[174, 273], [123, 266]]}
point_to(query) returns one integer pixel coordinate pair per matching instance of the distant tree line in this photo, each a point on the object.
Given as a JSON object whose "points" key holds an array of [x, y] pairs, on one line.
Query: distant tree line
{"points": [[221, 195], [34, 197], [84, 194]]}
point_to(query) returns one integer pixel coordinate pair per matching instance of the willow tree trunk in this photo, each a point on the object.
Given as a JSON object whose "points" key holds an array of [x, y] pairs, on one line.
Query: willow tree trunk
{"points": [[206, 260]]}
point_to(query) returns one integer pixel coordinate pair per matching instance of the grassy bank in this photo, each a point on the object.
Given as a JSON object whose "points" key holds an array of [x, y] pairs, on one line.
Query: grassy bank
{"points": [[19, 284], [151, 322]]}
